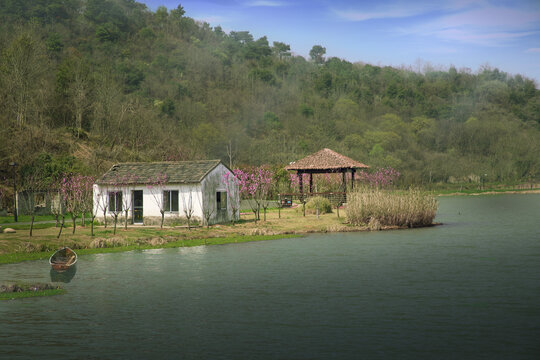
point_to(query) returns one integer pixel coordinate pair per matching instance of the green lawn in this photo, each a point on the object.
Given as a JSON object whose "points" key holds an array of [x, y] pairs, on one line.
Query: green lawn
{"points": [[25, 218]]}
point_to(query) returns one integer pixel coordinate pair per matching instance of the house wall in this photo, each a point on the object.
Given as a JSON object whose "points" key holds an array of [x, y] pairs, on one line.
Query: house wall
{"points": [[211, 184], [202, 198], [152, 200]]}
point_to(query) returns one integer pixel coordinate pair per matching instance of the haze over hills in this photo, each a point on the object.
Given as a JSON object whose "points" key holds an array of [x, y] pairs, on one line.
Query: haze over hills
{"points": [[87, 83]]}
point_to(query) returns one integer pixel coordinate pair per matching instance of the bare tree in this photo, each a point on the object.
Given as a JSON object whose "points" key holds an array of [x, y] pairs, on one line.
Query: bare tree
{"points": [[115, 205], [232, 150], [24, 65], [73, 192], [126, 201], [187, 205], [79, 92], [27, 196], [56, 203], [156, 188], [232, 185], [206, 199], [103, 203]]}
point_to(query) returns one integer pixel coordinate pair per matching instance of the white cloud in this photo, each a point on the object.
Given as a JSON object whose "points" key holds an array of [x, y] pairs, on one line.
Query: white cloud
{"points": [[488, 26], [401, 9], [381, 14]]}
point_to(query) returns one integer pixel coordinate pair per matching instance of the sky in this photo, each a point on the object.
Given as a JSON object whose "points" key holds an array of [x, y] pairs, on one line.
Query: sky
{"points": [[466, 34]]}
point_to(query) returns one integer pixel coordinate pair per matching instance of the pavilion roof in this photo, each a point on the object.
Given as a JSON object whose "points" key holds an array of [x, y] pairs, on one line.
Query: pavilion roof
{"points": [[325, 159]]}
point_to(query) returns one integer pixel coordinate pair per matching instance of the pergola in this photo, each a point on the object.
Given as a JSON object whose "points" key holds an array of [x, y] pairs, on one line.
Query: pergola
{"points": [[325, 161]]}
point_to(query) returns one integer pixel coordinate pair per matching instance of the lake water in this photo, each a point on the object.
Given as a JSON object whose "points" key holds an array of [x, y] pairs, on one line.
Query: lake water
{"points": [[467, 289]]}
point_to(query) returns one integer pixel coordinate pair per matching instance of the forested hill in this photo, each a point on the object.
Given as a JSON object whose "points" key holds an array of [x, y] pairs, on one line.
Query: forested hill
{"points": [[85, 83]]}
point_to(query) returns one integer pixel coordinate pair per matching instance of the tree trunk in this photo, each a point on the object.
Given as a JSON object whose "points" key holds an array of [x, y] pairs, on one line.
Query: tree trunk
{"points": [[57, 216], [126, 219], [162, 218], [83, 220], [115, 221], [32, 225], [74, 218], [105, 218], [92, 226], [61, 227]]}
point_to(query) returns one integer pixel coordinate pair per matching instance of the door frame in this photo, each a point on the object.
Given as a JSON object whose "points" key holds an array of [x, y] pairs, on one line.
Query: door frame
{"points": [[138, 207]]}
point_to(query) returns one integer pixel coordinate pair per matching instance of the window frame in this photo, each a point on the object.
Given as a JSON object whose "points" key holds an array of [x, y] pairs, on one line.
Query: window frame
{"points": [[168, 206], [115, 201], [221, 200]]}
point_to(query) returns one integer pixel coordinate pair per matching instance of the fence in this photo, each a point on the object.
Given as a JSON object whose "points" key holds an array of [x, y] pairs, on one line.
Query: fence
{"points": [[336, 198]]}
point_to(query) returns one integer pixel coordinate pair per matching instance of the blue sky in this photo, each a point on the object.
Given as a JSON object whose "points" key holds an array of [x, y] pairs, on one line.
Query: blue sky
{"points": [[463, 33]]}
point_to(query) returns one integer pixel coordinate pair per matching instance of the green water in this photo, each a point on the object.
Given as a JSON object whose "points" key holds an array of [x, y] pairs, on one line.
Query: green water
{"points": [[467, 289]]}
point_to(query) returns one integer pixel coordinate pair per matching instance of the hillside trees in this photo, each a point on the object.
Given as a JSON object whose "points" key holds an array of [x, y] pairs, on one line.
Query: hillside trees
{"points": [[104, 81]]}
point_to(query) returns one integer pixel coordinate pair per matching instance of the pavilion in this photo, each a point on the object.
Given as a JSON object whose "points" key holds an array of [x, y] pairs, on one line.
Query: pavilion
{"points": [[323, 162]]}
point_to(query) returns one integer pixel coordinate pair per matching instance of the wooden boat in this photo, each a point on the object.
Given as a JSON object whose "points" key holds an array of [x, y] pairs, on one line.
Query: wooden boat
{"points": [[63, 259]]}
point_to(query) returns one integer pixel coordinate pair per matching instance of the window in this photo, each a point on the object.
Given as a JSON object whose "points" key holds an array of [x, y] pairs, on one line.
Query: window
{"points": [[221, 199], [115, 201], [170, 200]]}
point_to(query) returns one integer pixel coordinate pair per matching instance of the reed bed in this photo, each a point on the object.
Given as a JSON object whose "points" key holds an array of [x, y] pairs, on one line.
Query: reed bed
{"points": [[374, 207]]}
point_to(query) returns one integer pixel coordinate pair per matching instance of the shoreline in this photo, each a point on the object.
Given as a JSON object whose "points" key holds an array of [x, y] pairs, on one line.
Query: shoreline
{"points": [[258, 234], [492, 192]]}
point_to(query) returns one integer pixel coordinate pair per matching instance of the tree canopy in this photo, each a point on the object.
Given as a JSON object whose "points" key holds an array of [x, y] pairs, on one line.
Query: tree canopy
{"points": [[87, 83]]}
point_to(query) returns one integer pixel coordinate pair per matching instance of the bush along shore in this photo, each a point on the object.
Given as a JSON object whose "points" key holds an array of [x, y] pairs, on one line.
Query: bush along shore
{"points": [[377, 208], [16, 290]]}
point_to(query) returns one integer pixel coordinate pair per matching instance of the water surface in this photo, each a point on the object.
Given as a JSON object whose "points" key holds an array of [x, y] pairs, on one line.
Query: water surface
{"points": [[467, 289]]}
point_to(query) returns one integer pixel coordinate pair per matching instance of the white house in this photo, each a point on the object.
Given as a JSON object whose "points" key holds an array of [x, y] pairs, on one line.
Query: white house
{"points": [[178, 189]]}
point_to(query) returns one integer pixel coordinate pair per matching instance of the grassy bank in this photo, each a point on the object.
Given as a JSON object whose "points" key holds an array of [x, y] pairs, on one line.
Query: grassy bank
{"points": [[281, 223], [25, 256], [20, 246], [17, 290]]}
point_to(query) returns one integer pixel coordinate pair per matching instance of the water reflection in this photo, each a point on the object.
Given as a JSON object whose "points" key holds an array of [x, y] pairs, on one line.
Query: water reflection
{"points": [[63, 276]]}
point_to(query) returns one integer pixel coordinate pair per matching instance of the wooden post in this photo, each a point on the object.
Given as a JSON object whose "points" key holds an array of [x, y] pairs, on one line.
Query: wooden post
{"points": [[352, 177], [301, 185], [344, 181], [310, 183]]}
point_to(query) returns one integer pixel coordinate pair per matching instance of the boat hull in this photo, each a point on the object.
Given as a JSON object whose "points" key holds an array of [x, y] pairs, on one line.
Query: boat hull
{"points": [[63, 259]]}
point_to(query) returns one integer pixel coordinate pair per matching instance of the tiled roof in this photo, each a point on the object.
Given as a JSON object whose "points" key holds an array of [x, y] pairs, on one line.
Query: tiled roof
{"points": [[181, 172], [325, 159]]}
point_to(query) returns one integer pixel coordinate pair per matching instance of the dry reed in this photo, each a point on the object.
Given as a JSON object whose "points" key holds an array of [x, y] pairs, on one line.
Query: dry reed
{"points": [[412, 208]]}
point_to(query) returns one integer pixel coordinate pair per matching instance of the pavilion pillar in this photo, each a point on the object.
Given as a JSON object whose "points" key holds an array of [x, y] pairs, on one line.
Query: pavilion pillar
{"points": [[301, 184], [310, 183], [353, 171], [344, 181]]}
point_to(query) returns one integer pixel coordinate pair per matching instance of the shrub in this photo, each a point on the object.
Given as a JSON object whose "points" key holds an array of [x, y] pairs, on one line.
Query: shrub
{"points": [[412, 208], [322, 203]]}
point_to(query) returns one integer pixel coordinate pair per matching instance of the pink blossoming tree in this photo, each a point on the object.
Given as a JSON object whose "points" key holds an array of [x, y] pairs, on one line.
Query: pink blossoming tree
{"points": [[381, 179], [255, 186], [72, 189]]}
